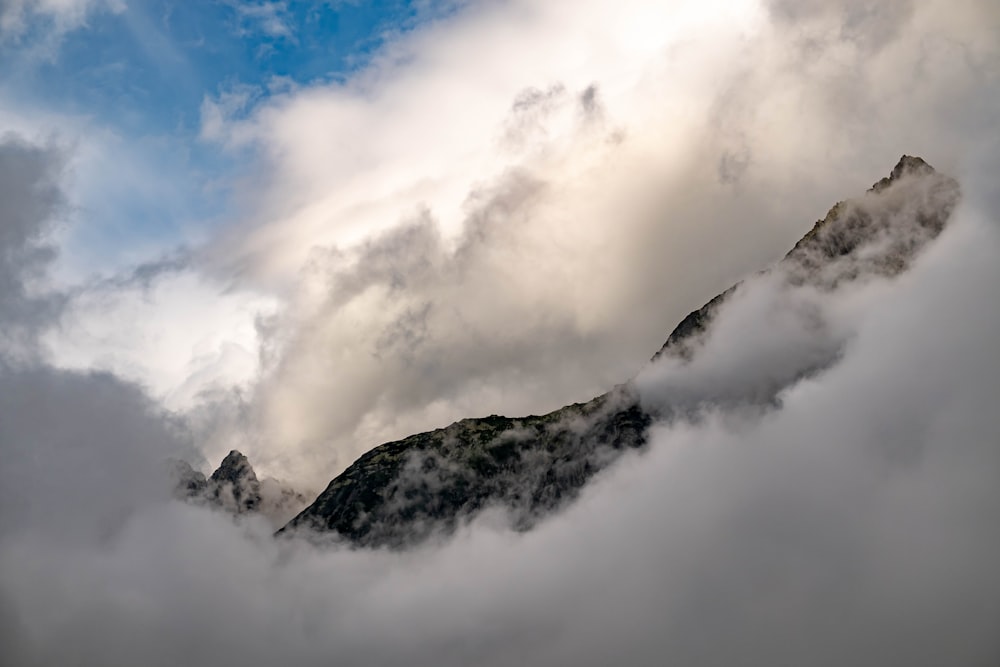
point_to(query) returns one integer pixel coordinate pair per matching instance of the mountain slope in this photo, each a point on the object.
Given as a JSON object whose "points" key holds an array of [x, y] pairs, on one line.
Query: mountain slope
{"points": [[405, 491]]}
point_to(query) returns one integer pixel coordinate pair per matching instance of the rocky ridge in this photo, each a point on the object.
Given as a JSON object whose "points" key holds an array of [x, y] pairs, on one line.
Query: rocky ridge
{"points": [[406, 491]]}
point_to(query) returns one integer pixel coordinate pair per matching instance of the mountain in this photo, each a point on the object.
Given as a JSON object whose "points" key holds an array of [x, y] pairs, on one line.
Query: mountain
{"points": [[402, 492], [234, 488]]}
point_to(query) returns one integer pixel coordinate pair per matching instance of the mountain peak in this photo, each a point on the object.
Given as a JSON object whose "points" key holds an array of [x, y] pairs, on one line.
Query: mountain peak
{"points": [[908, 165], [235, 468], [234, 484], [234, 488], [874, 234]]}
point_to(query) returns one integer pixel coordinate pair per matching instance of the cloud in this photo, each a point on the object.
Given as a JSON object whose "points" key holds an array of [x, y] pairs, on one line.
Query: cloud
{"points": [[269, 18], [869, 26], [160, 323], [45, 22], [202, 331], [163, 323], [33, 202], [80, 449], [58, 428]]}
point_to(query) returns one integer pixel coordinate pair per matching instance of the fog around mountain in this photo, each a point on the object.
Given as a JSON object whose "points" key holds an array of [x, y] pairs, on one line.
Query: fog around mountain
{"points": [[850, 522]]}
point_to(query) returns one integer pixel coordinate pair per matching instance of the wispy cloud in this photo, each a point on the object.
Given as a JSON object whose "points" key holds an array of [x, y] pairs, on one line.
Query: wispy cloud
{"points": [[270, 19], [40, 25]]}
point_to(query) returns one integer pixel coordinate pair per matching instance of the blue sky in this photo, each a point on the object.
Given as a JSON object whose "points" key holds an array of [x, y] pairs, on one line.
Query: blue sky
{"points": [[138, 75]]}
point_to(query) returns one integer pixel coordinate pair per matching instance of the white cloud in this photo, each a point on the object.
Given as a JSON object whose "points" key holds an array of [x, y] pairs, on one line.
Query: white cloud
{"points": [[269, 18], [204, 337], [57, 17]]}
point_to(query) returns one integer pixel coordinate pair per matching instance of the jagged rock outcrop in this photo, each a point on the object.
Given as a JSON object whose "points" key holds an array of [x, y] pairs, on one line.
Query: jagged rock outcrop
{"points": [[405, 491], [234, 488], [875, 234], [234, 484], [187, 482]]}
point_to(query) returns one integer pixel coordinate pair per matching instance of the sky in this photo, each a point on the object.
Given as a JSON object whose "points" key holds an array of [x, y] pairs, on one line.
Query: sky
{"points": [[139, 73], [303, 229]]}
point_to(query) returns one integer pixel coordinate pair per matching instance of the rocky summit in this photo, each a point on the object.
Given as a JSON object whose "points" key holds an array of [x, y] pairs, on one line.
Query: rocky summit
{"points": [[234, 488], [406, 491], [875, 234], [234, 484]]}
